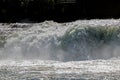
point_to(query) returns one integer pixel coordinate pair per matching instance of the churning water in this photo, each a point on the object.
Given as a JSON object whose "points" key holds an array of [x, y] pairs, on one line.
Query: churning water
{"points": [[80, 50]]}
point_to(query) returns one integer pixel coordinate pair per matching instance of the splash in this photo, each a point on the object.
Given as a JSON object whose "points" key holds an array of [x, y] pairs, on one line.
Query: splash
{"points": [[80, 50], [80, 40]]}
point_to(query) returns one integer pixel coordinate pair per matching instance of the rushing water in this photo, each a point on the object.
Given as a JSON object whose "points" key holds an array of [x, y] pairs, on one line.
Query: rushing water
{"points": [[80, 50]]}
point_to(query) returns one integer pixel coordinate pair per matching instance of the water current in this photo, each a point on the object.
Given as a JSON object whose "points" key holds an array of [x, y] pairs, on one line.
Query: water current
{"points": [[79, 50]]}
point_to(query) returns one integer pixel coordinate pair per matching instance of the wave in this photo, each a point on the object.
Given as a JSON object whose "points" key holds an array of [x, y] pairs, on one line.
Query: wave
{"points": [[73, 41], [91, 42]]}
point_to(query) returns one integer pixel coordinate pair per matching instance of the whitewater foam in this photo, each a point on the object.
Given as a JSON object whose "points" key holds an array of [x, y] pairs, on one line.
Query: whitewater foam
{"points": [[80, 40], [37, 51], [54, 70]]}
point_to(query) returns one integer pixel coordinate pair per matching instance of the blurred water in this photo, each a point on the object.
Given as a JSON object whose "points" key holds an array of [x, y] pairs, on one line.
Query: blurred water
{"points": [[55, 70], [80, 50]]}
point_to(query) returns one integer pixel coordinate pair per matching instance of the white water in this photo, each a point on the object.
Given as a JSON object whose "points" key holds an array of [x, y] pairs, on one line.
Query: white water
{"points": [[33, 52], [54, 70]]}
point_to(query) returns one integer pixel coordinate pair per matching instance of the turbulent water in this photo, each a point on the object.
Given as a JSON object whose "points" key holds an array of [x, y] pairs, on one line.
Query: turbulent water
{"points": [[79, 50]]}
